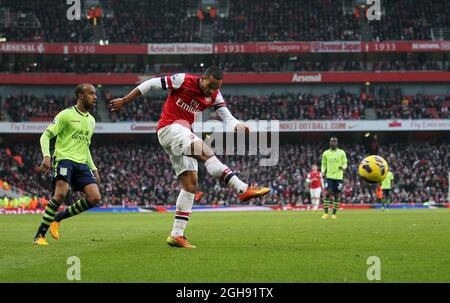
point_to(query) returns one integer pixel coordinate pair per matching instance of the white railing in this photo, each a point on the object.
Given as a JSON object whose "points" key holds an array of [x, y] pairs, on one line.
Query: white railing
{"points": [[440, 33], [347, 7], [5, 17], [261, 125]]}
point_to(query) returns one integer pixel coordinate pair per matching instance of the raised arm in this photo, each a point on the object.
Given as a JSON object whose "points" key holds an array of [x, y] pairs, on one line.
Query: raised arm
{"points": [[143, 88], [226, 116]]}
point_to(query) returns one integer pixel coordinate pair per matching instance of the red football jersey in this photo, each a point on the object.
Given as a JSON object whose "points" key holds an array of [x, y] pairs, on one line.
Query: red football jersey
{"points": [[185, 100], [315, 179]]}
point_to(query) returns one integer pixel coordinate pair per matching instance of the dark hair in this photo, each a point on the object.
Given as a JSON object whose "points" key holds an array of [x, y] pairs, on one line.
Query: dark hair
{"points": [[79, 89], [333, 137], [214, 71]]}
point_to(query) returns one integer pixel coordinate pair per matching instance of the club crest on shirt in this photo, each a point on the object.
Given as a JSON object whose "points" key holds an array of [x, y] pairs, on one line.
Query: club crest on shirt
{"points": [[208, 99]]}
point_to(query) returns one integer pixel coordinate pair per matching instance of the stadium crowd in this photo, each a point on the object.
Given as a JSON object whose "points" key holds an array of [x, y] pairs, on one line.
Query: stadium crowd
{"points": [[419, 106], [130, 176], [342, 105], [388, 103], [151, 21], [126, 22], [270, 20], [411, 20], [265, 20], [68, 65], [24, 107], [147, 108]]}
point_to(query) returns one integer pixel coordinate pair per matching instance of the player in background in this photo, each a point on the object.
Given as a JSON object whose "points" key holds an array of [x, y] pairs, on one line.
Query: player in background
{"points": [[72, 161], [188, 95], [386, 187], [334, 162], [315, 181]]}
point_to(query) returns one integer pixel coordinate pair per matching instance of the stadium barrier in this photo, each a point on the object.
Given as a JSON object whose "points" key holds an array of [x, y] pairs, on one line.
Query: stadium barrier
{"points": [[224, 48], [262, 126], [220, 208], [238, 78]]}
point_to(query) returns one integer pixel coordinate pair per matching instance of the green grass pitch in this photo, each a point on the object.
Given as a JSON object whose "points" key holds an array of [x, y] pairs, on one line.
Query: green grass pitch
{"points": [[413, 246]]}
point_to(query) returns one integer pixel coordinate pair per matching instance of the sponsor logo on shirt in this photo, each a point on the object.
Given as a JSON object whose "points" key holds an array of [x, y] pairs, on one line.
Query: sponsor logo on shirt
{"points": [[192, 108], [82, 135]]}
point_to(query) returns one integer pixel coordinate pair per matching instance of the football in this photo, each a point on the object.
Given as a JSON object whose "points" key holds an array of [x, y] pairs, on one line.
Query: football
{"points": [[373, 169]]}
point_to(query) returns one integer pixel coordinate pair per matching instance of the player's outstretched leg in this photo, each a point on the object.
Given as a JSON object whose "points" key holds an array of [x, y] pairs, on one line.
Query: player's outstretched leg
{"points": [[218, 170], [92, 198]]}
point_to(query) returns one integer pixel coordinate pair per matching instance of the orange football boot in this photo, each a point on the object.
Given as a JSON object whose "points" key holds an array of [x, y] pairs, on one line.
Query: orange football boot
{"points": [[254, 192], [179, 241]]}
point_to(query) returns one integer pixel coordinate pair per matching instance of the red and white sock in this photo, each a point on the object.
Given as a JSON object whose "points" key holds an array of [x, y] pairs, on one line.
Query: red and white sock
{"points": [[184, 208], [218, 170]]}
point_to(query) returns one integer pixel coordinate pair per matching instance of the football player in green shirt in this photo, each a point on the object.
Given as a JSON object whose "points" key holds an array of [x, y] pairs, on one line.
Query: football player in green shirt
{"points": [[386, 187], [334, 162], [72, 161]]}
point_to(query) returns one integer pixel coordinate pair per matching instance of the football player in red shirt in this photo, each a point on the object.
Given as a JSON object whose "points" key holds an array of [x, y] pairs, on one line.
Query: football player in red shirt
{"points": [[188, 95], [315, 181]]}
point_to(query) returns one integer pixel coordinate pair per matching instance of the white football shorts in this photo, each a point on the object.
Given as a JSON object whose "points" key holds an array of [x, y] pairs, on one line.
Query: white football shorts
{"points": [[176, 141], [315, 192]]}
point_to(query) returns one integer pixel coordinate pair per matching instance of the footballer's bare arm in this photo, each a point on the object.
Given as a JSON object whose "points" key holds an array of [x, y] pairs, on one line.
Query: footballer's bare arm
{"points": [[118, 103], [146, 86]]}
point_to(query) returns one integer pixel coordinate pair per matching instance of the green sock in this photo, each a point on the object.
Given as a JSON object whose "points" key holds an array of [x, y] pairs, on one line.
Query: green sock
{"points": [[73, 210], [47, 218], [326, 205], [335, 206]]}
